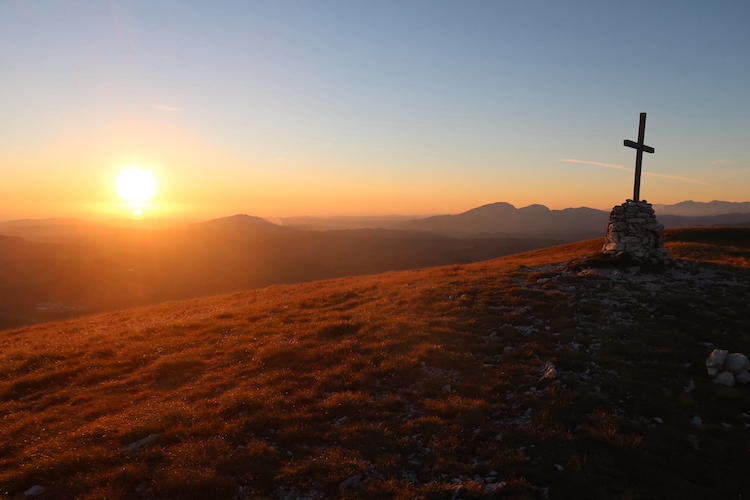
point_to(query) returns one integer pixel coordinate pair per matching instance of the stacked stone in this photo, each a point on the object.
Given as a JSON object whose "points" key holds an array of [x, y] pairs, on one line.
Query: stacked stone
{"points": [[634, 233]]}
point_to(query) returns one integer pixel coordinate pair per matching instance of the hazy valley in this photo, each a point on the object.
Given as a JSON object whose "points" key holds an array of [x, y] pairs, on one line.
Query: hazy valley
{"points": [[79, 269], [61, 268]]}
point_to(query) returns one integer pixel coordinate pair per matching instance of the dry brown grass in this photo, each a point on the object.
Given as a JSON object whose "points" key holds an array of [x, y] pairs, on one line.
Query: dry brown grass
{"points": [[728, 245], [400, 377]]}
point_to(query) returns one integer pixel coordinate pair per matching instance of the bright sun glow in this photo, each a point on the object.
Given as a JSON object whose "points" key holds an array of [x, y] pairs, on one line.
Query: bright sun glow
{"points": [[136, 186]]}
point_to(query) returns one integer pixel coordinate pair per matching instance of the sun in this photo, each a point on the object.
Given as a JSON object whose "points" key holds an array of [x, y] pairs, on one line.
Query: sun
{"points": [[136, 186]]}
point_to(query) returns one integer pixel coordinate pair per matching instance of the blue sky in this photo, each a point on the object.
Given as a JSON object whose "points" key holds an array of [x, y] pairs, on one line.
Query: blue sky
{"points": [[376, 107]]}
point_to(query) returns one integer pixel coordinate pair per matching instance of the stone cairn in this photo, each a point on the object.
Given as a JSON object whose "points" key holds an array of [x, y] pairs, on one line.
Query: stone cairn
{"points": [[634, 234]]}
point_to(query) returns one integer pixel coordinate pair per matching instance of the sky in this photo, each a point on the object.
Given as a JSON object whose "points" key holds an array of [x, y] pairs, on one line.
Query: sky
{"points": [[355, 107]]}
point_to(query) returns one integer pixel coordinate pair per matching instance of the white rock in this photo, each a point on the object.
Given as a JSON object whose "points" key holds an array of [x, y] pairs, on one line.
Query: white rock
{"points": [[715, 361], [743, 377], [136, 445], [34, 491], [737, 362], [696, 421], [457, 492], [549, 372], [724, 378], [559, 467], [350, 482], [494, 487]]}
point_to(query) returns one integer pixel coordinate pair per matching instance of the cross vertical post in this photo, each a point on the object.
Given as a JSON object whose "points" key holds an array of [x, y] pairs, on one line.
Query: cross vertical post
{"points": [[639, 148], [639, 158]]}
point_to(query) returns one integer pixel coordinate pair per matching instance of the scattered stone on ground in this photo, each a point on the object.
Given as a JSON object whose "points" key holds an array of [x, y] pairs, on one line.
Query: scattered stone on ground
{"points": [[607, 297], [737, 362], [715, 361], [34, 491], [350, 483], [726, 369], [549, 372], [137, 445], [724, 378]]}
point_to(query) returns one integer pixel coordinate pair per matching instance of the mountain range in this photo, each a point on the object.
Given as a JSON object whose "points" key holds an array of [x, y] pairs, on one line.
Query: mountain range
{"points": [[504, 218], [700, 208], [494, 219], [534, 220], [527, 219]]}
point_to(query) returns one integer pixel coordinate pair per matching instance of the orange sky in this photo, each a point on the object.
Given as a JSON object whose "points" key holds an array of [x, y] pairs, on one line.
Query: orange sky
{"points": [[73, 174], [298, 109]]}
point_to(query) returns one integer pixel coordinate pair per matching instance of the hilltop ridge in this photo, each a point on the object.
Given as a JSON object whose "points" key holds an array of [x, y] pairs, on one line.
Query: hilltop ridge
{"points": [[569, 223], [504, 218], [701, 208], [524, 376]]}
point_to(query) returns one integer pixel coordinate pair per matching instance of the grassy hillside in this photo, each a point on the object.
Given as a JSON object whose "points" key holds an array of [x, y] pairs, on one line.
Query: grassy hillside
{"points": [[522, 377], [113, 268]]}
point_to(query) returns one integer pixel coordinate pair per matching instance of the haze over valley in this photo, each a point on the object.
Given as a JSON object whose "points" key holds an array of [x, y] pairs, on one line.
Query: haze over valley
{"points": [[75, 269], [61, 268]]}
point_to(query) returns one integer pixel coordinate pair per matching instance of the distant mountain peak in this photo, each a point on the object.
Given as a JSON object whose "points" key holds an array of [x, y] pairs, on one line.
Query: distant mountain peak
{"points": [[240, 224], [535, 208], [240, 219], [495, 208], [504, 218]]}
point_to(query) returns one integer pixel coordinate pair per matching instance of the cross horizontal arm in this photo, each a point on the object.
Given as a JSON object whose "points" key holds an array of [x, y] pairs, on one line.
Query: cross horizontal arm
{"points": [[635, 145]]}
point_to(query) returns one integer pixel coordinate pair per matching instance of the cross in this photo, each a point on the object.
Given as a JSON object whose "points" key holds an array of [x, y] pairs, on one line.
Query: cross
{"points": [[640, 148]]}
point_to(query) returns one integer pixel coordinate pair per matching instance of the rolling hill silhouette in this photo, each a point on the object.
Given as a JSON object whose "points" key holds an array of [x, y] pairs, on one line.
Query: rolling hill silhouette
{"points": [[504, 218], [239, 224], [697, 208], [569, 224]]}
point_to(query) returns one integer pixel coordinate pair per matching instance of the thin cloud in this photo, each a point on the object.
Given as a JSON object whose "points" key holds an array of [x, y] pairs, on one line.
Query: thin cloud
{"points": [[595, 163], [164, 107], [677, 178], [616, 166]]}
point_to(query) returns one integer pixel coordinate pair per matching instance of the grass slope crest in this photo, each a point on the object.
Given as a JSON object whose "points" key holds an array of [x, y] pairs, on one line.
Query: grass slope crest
{"points": [[519, 377]]}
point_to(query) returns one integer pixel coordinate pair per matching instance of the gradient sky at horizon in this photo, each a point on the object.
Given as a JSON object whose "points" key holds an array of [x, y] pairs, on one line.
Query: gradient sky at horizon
{"points": [[353, 107]]}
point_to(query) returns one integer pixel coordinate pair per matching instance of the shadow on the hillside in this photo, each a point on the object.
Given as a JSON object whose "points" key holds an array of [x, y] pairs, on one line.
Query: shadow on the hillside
{"points": [[722, 236]]}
